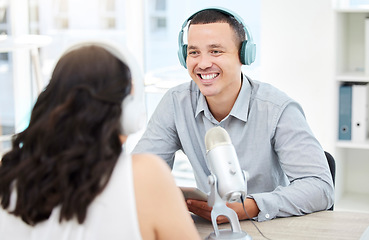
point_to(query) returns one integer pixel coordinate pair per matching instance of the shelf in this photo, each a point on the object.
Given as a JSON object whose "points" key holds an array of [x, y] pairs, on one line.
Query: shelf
{"points": [[352, 66], [353, 202], [353, 77], [353, 10], [4, 138], [352, 145]]}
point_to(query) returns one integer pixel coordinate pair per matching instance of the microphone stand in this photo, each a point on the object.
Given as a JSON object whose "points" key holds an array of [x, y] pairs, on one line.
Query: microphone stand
{"points": [[221, 209]]}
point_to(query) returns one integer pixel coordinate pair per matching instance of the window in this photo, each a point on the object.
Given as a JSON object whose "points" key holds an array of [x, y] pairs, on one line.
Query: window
{"points": [[107, 14], [157, 16], [6, 93], [61, 8], [65, 22]]}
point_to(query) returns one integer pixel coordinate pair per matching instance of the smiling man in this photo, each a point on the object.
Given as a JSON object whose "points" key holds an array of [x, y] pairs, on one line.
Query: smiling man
{"points": [[288, 171], [215, 65]]}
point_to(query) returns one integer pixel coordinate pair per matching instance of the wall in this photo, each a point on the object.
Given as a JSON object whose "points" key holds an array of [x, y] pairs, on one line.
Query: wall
{"points": [[297, 56]]}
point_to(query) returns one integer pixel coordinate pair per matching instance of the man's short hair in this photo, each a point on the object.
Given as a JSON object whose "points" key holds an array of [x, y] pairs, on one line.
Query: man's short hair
{"points": [[214, 16]]}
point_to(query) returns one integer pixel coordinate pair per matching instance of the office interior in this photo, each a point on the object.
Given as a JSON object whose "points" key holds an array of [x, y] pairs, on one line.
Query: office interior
{"points": [[307, 48]]}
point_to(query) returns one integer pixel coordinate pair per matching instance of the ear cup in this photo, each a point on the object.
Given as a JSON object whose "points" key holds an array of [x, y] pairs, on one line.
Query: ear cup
{"points": [[247, 52], [182, 48], [182, 54], [243, 54], [250, 53], [133, 115]]}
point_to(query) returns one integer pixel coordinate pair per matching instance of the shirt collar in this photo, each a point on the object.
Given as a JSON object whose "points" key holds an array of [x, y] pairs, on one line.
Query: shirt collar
{"points": [[240, 108], [202, 106]]}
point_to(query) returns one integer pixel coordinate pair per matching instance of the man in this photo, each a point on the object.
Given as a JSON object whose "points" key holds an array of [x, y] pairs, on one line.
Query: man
{"points": [[288, 171]]}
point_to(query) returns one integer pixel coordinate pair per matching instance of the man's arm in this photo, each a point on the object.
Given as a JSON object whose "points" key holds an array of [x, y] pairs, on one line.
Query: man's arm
{"points": [[202, 209], [160, 137], [303, 161]]}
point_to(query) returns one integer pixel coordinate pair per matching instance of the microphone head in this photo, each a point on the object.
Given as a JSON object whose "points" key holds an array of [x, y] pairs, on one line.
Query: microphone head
{"points": [[223, 162], [216, 136]]}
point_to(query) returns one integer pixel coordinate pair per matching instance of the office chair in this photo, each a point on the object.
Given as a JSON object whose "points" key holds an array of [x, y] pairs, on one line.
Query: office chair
{"points": [[332, 168]]}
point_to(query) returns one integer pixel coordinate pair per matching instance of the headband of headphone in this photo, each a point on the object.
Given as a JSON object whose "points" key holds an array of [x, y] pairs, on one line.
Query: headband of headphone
{"points": [[133, 116], [248, 48]]}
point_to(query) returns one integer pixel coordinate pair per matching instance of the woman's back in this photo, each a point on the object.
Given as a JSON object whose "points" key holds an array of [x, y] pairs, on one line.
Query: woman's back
{"points": [[112, 215], [66, 176]]}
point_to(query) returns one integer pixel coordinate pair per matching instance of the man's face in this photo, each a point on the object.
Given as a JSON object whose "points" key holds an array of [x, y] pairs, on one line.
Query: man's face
{"points": [[212, 59]]}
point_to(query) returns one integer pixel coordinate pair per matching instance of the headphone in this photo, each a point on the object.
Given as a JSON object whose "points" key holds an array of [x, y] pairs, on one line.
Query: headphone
{"points": [[248, 47], [133, 116]]}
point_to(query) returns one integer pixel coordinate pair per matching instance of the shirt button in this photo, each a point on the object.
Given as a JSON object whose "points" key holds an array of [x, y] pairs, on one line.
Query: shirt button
{"points": [[267, 215]]}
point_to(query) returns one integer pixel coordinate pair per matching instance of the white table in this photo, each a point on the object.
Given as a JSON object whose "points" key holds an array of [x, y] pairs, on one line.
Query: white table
{"points": [[327, 225]]}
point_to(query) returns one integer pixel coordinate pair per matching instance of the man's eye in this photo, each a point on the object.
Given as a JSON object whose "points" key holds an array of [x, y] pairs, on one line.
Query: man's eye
{"points": [[192, 53]]}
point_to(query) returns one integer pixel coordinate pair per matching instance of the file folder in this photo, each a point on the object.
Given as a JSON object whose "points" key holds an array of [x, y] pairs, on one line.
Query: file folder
{"points": [[345, 112], [359, 128]]}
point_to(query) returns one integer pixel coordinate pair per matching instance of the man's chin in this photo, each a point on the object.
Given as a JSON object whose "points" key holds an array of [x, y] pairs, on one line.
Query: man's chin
{"points": [[207, 92]]}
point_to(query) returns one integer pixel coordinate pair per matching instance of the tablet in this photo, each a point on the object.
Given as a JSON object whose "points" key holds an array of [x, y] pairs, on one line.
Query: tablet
{"points": [[194, 193]]}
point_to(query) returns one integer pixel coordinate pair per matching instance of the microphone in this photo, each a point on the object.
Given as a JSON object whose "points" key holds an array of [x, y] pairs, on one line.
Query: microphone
{"points": [[223, 163], [227, 183]]}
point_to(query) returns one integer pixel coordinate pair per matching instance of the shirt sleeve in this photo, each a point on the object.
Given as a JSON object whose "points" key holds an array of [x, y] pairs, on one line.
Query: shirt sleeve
{"points": [[304, 163], [160, 137]]}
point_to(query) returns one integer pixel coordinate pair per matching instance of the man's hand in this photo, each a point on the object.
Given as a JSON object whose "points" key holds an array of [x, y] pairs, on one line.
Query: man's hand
{"points": [[202, 209]]}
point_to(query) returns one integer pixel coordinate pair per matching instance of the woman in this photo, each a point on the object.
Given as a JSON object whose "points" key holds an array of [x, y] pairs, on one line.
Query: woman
{"points": [[66, 176]]}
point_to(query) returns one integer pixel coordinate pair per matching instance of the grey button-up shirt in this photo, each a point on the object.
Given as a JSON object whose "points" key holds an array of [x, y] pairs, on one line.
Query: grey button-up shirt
{"points": [[287, 168]]}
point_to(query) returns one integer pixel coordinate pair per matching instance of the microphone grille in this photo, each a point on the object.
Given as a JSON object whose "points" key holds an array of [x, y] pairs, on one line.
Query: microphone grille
{"points": [[216, 136]]}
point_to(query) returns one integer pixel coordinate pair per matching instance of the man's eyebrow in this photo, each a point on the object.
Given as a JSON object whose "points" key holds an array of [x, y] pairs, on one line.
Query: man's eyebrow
{"points": [[209, 46], [191, 47], [215, 46]]}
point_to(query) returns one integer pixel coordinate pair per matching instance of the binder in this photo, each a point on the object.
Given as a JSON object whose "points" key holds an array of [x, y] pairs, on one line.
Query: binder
{"points": [[366, 46], [345, 112], [359, 120]]}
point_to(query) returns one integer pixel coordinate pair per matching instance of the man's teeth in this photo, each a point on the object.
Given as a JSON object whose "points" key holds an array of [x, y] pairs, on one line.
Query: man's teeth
{"points": [[208, 76]]}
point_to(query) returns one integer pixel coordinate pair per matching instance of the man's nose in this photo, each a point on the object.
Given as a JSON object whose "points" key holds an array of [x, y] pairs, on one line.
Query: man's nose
{"points": [[204, 61]]}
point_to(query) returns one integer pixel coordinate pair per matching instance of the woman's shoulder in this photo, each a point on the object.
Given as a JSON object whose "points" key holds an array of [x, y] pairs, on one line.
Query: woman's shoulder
{"points": [[149, 165]]}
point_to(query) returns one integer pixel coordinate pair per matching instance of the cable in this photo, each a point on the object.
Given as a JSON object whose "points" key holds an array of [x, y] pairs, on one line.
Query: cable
{"points": [[243, 205]]}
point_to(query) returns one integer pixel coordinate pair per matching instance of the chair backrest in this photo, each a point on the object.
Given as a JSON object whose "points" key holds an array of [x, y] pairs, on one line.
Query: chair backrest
{"points": [[332, 167]]}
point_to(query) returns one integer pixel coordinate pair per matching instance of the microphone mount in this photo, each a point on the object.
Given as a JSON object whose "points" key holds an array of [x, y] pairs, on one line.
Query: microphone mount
{"points": [[221, 209]]}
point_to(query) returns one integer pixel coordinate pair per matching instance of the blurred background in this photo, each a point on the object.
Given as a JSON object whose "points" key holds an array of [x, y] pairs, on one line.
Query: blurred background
{"points": [[307, 48]]}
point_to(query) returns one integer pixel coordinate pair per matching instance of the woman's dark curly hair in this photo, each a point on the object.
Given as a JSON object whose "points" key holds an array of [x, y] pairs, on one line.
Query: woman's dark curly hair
{"points": [[66, 155]]}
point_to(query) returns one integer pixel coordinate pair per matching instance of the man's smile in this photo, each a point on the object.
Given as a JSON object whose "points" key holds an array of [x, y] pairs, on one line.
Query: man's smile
{"points": [[208, 76]]}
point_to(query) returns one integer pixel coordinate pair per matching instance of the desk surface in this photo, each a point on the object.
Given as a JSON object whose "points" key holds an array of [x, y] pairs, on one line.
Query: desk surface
{"points": [[321, 225]]}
